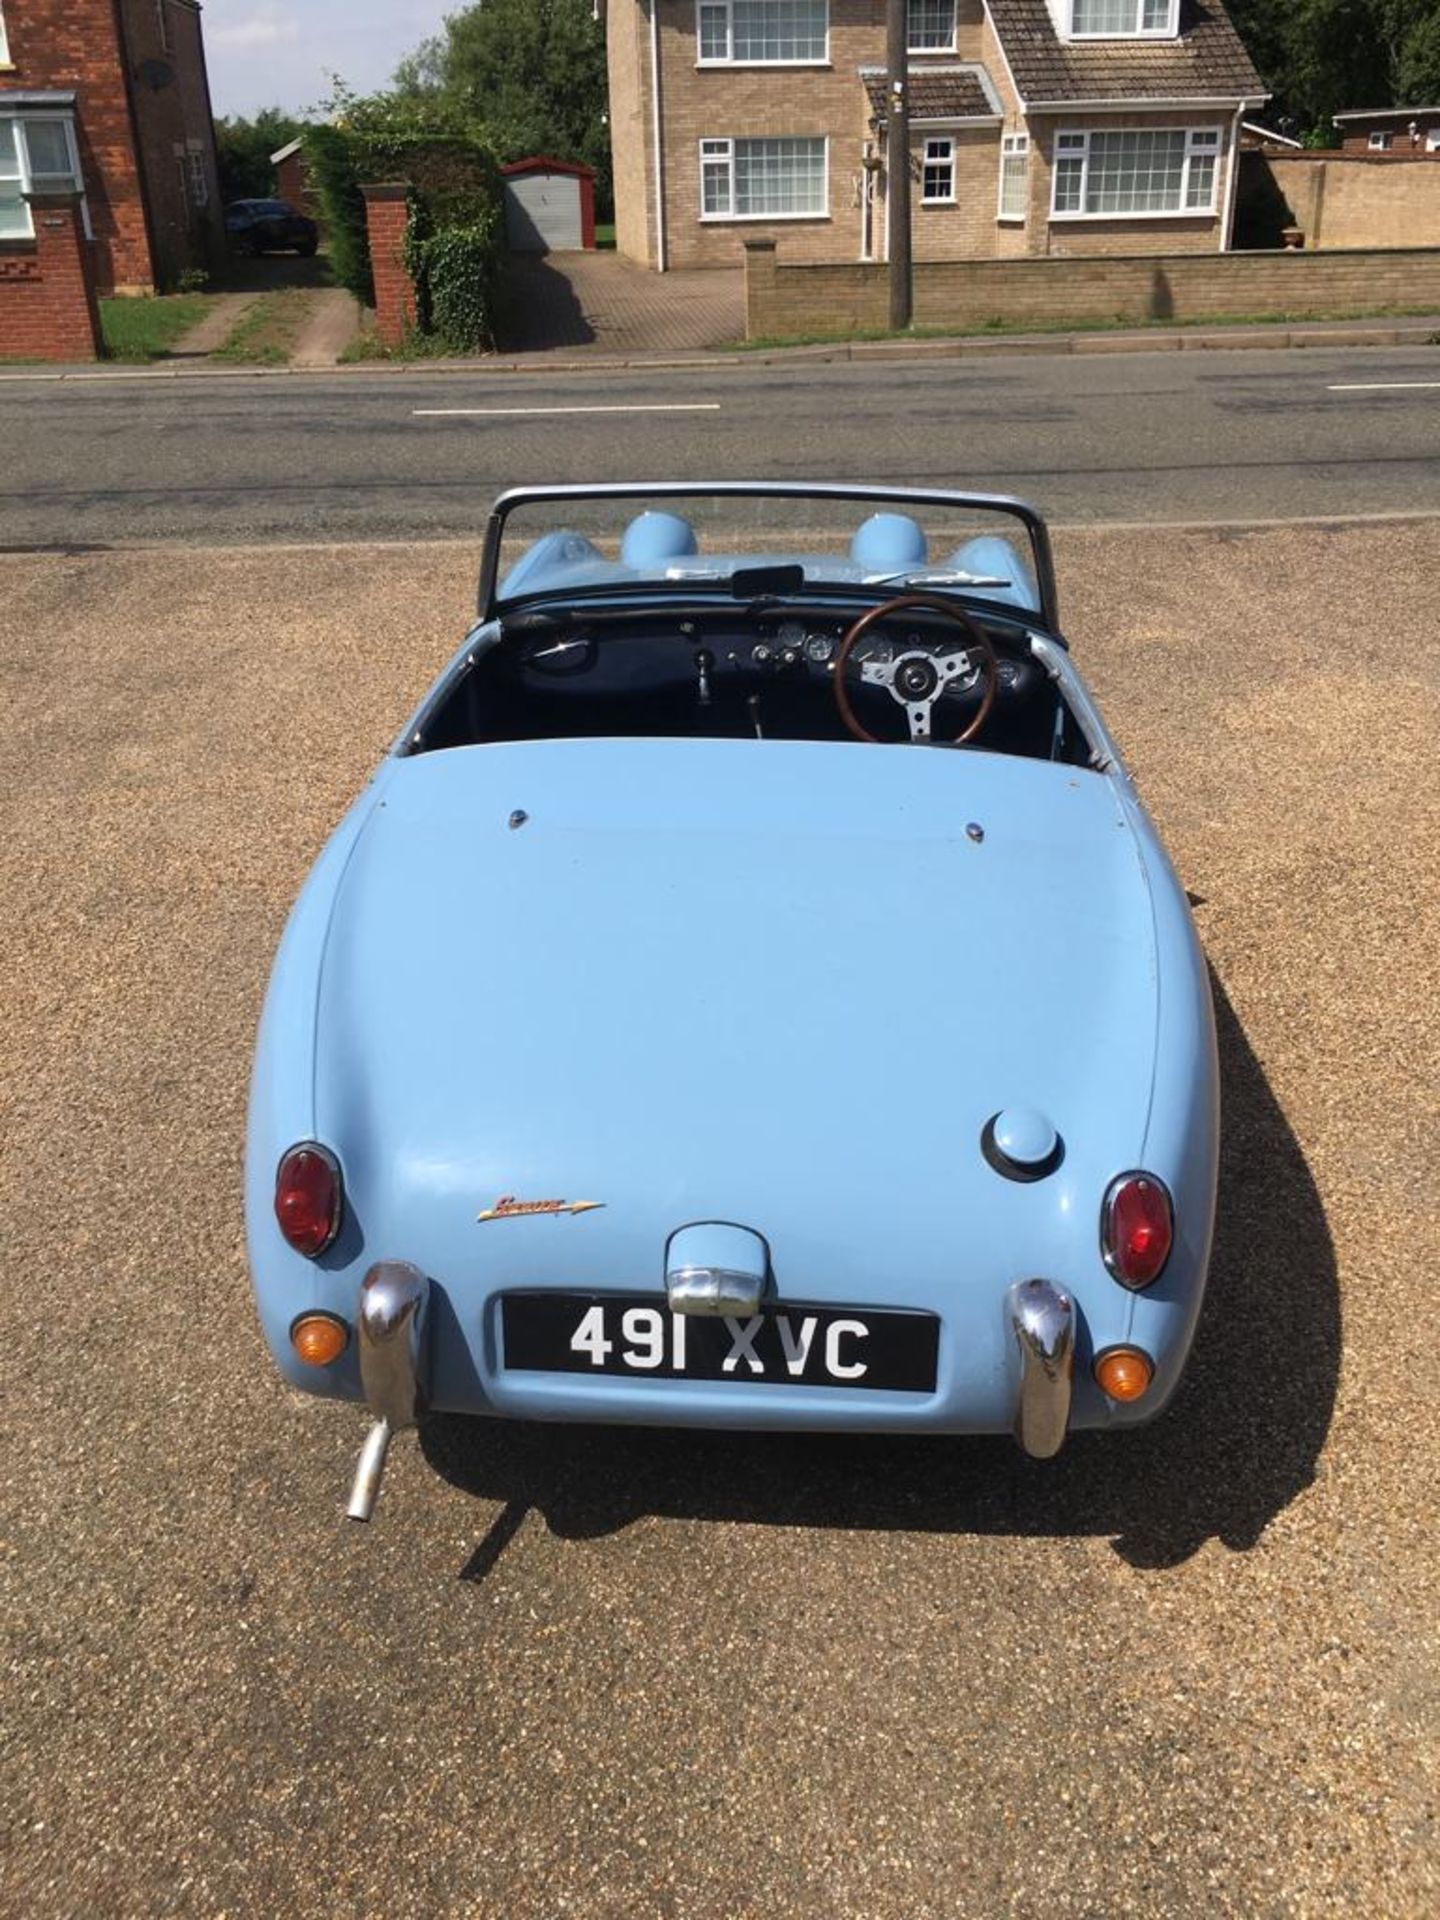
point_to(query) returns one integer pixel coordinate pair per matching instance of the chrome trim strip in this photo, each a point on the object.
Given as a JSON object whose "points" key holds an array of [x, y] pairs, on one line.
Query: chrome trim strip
{"points": [[391, 1323], [1042, 1323]]}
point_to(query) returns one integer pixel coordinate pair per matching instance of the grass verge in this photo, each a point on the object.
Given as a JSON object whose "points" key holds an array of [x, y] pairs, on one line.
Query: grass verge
{"points": [[265, 334], [1117, 323], [147, 329]]}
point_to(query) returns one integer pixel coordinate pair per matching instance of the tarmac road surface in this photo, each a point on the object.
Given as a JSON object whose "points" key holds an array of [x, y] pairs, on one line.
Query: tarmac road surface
{"points": [[1214, 436], [1188, 1671]]}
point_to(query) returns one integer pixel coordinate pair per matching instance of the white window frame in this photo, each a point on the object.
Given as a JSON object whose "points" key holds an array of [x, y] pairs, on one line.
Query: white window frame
{"points": [[4, 42], [728, 58], [937, 159], [1013, 147], [27, 182], [720, 150], [1206, 143], [947, 47], [1380, 142], [1169, 31]]}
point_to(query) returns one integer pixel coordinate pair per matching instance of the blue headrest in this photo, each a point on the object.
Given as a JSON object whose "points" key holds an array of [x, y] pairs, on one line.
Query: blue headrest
{"points": [[888, 543], [653, 537]]}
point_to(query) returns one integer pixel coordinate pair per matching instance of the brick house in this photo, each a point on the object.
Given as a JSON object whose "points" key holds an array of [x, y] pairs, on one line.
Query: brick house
{"points": [[110, 99], [1394, 133], [1036, 127]]}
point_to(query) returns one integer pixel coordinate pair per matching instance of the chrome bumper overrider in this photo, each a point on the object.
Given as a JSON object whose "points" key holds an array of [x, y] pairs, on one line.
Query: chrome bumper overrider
{"points": [[391, 1321], [1042, 1323]]}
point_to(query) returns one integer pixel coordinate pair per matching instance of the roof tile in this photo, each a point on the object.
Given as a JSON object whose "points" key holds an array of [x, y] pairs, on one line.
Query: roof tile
{"points": [[1208, 61]]}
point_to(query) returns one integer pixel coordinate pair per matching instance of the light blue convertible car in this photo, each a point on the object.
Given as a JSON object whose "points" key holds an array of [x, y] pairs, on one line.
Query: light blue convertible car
{"points": [[749, 994]]}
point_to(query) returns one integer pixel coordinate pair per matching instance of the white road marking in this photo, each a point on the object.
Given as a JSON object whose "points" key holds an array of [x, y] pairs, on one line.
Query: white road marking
{"points": [[1382, 386], [465, 413]]}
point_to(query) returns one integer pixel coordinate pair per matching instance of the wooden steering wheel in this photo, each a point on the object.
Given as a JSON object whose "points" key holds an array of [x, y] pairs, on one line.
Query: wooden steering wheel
{"points": [[918, 678]]}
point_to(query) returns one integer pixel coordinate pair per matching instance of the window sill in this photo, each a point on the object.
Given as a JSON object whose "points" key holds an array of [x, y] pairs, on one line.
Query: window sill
{"points": [[1177, 213], [756, 219], [1009, 219], [752, 66], [951, 202]]}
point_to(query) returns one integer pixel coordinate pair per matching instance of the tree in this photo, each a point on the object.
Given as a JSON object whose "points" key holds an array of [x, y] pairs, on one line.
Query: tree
{"points": [[528, 74], [243, 149], [1319, 57]]}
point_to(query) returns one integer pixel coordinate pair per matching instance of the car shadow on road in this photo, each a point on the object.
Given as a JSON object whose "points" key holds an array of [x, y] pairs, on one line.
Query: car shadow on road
{"points": [[1238, 1444]]}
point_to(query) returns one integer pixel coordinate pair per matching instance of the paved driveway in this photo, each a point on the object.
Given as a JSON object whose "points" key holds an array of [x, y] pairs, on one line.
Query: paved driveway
{"points": [[599, 300], [1189, 1671]]}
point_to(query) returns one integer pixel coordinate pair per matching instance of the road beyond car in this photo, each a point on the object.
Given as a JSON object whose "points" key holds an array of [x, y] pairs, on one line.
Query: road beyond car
{"points": [[749, 994]]}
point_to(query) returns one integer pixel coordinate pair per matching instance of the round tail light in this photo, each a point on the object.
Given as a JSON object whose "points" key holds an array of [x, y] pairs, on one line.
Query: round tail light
{"points": [[1137, 1226], [308, 1197]]}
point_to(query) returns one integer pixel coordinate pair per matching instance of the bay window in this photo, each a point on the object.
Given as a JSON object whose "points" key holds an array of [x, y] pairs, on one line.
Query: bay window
{"points": [[932, 26], [1122, 19], [1135, 171], [763, 32], [763, 179], [937, 176], [37, 155], [1014, 176]]}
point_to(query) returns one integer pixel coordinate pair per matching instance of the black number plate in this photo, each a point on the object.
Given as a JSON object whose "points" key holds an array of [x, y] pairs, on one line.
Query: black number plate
{"points": [[634, 1335]]}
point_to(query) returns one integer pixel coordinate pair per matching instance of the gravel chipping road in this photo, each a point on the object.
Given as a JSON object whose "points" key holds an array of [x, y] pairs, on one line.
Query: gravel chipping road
{"points": [[1188, 1671]]}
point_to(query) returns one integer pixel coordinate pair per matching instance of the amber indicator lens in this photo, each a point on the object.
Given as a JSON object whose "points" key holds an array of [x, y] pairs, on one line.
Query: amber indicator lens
{"points": [[1124, 1373], [1137, 1227], [307, 1198], [319, 1338]]}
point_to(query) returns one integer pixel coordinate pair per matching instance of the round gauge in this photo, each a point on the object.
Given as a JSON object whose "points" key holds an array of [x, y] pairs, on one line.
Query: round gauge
{"points": [[790, 633], [819, 647]]}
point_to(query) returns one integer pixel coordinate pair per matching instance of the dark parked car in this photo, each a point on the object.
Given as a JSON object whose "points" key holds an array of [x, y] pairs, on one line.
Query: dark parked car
{"points": [[269, 226]]}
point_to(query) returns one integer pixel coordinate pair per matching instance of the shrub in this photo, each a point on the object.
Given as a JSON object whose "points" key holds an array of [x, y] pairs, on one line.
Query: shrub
{"points": [[455, 190], [456, 270]]}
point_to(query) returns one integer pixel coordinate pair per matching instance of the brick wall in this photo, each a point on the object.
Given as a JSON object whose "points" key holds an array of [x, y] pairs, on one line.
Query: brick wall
{"points": [[175, 135], [829, 100], [1403, 144], [292, 183], [785, 298], [385, 216], [1200, 233], [1342, 201], [134, 139], [718, 102], [627, 55], [47, 291], [75, 43]]}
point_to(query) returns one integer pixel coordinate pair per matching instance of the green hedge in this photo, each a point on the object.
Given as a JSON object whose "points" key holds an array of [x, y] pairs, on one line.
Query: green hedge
{"points": [[455, 238]]}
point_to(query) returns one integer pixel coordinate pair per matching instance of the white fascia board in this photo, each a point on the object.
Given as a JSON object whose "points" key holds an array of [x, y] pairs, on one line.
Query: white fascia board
{"points": [[1145, 103], [1383, 113]]}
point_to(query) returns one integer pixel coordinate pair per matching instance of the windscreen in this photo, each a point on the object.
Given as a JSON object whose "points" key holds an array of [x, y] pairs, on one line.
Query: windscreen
{"points": [[755, 542]]}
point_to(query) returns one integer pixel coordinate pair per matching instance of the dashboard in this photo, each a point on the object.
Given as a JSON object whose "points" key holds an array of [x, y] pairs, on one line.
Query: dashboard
{"points": [[764, 672]]}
